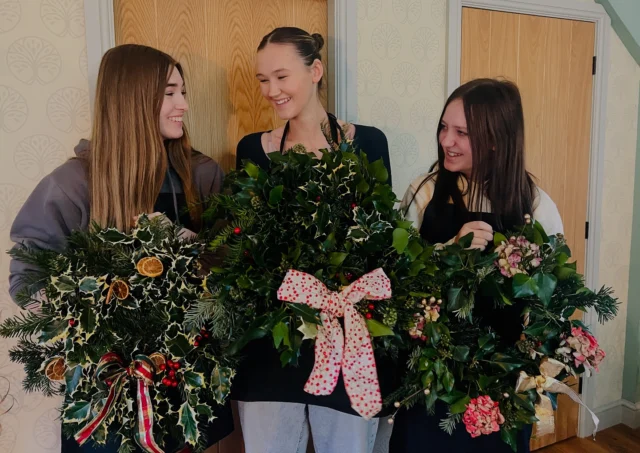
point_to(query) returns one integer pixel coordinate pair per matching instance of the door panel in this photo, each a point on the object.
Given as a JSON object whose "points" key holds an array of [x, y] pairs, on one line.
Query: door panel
{"points": [[551, 61]]}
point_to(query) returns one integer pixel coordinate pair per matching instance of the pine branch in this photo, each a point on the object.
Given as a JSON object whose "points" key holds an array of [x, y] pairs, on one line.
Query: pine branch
{"points": [[32, 356], [449, 424], [25, 325]]}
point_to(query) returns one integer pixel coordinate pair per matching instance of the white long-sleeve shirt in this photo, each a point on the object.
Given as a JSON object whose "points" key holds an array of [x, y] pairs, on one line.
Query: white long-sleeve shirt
{"points": [[545, 210]]}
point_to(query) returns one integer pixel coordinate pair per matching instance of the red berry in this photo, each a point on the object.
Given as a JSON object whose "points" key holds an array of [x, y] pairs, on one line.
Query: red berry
{"points": [[203, 331], [337, 276], [349, 276], [237, 230], [108, 382], [166, 381], [196, 344], [198, 338], [368, 316], [172, 373], [163, 367], [72, 322], [318, 198], [353, 205], [174, 384], [176, 366], [246, 253], [169, 363], [371, 306], [206, 335]]}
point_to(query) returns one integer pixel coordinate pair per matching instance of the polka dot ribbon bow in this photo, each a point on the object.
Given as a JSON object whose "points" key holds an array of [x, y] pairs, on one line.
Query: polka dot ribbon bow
{"points": [[350, 351]]}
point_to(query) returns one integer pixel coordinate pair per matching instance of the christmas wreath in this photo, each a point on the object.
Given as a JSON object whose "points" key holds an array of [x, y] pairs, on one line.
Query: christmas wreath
{"points": [[110, 330], [307, 242], [490, 385]]}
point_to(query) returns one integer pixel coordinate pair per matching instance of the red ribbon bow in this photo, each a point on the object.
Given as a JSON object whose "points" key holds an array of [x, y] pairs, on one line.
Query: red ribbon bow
{"points": [[335, 350]]}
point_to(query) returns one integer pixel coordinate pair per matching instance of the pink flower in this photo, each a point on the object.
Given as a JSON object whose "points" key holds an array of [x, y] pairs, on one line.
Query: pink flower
{"points": [[584, 349], [517, 256], [482, 416]]}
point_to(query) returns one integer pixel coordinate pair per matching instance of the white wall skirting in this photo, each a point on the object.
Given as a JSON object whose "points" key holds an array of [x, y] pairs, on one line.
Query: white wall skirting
{"points": [[621, 411]]}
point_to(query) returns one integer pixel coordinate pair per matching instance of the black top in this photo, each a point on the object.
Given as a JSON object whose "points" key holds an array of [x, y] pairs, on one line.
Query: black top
{"points": [[261, 377], [414, 429]]}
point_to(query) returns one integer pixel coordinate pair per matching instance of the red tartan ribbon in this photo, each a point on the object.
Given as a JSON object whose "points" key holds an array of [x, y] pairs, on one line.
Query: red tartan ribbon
{"points": [[350, 351], [111, 368]]}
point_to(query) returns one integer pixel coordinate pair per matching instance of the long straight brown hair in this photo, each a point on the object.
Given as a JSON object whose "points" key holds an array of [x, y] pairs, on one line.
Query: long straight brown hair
{"points": [[495, 124], [128, 156]]}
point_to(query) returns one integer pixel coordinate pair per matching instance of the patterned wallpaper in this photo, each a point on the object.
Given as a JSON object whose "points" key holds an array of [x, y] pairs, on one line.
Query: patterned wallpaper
{"points": [[401, 90], [44, 111]]}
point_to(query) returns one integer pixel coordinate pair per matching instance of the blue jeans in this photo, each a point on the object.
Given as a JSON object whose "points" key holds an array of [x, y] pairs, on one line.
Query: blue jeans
{"points": [[275, 427]]}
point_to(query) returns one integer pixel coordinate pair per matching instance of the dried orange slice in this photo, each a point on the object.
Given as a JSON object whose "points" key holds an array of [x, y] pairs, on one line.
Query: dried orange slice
{"points": [[158, 359], [119, 289], [55, 369], [150, 266]]}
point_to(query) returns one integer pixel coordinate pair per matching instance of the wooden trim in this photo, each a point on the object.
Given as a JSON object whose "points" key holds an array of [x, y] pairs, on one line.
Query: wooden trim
{"points": [[100, 36], [343, 54], [572, 10]]}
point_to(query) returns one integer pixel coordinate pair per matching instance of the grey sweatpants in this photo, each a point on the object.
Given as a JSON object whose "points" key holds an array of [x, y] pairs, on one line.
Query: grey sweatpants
{"points": [[274, 427]]}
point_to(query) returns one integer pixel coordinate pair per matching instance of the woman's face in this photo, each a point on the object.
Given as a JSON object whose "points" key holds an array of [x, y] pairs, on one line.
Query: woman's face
{"points": [[285, 80], [174, 106], [454, 139]]}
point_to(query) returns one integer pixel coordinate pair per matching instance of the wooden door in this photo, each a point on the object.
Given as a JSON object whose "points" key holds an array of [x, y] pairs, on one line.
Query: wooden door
{"points": [[216, 41], [551, 61]]}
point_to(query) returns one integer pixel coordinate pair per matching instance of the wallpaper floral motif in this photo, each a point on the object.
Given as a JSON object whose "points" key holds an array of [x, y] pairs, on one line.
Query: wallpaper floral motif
{"points": [[44, 111]]}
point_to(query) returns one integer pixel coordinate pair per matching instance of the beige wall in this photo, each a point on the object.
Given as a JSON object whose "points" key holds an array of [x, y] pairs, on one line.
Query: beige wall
{"points": [[401, 89], [44, 110]]}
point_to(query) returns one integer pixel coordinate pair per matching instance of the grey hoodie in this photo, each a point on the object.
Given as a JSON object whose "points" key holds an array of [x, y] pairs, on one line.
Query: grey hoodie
{"points": [[60, 204]]}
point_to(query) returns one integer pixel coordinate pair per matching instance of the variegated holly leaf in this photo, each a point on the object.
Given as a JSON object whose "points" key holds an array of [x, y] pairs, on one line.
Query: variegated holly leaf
{"points": [[193, 380], [187, 420], [76, 412], [221, 383]]}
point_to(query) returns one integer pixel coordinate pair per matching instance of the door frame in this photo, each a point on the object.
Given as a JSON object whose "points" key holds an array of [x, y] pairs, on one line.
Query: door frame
{"points": [[573, 10], [342, 39]]}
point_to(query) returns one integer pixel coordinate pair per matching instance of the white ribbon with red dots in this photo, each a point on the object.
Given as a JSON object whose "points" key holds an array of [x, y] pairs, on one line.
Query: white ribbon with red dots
{"points": [[355, 358]]}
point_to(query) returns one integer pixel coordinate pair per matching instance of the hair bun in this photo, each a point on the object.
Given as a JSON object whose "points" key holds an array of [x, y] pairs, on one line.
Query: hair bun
{"points": [[319, 40]]}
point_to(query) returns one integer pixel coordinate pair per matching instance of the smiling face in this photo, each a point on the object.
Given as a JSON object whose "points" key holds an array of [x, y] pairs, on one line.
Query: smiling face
{"points": [[285, 80], [174, 106], [454, 139]]}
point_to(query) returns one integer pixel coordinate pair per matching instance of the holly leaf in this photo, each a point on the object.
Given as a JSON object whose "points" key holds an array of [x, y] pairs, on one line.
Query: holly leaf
{"points": [[524, 286], [205, 410], [221, 383], [88, 321], [400, 239], [179, 346], [546, 285], [309, 330], [377, 329], [187, 420], [193, 380], [53, 332], [72, 378], [63, 284], [113, 236], [77, 412], [88, 285]]}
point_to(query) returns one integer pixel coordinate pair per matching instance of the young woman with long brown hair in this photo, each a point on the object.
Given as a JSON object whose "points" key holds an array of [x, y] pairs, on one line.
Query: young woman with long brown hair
{"points": [[139, 160], [480, 185]]}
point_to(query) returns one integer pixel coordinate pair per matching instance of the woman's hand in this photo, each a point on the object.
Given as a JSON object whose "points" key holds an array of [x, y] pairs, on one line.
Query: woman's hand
{"points": [[184, 234], [482, 234]]}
